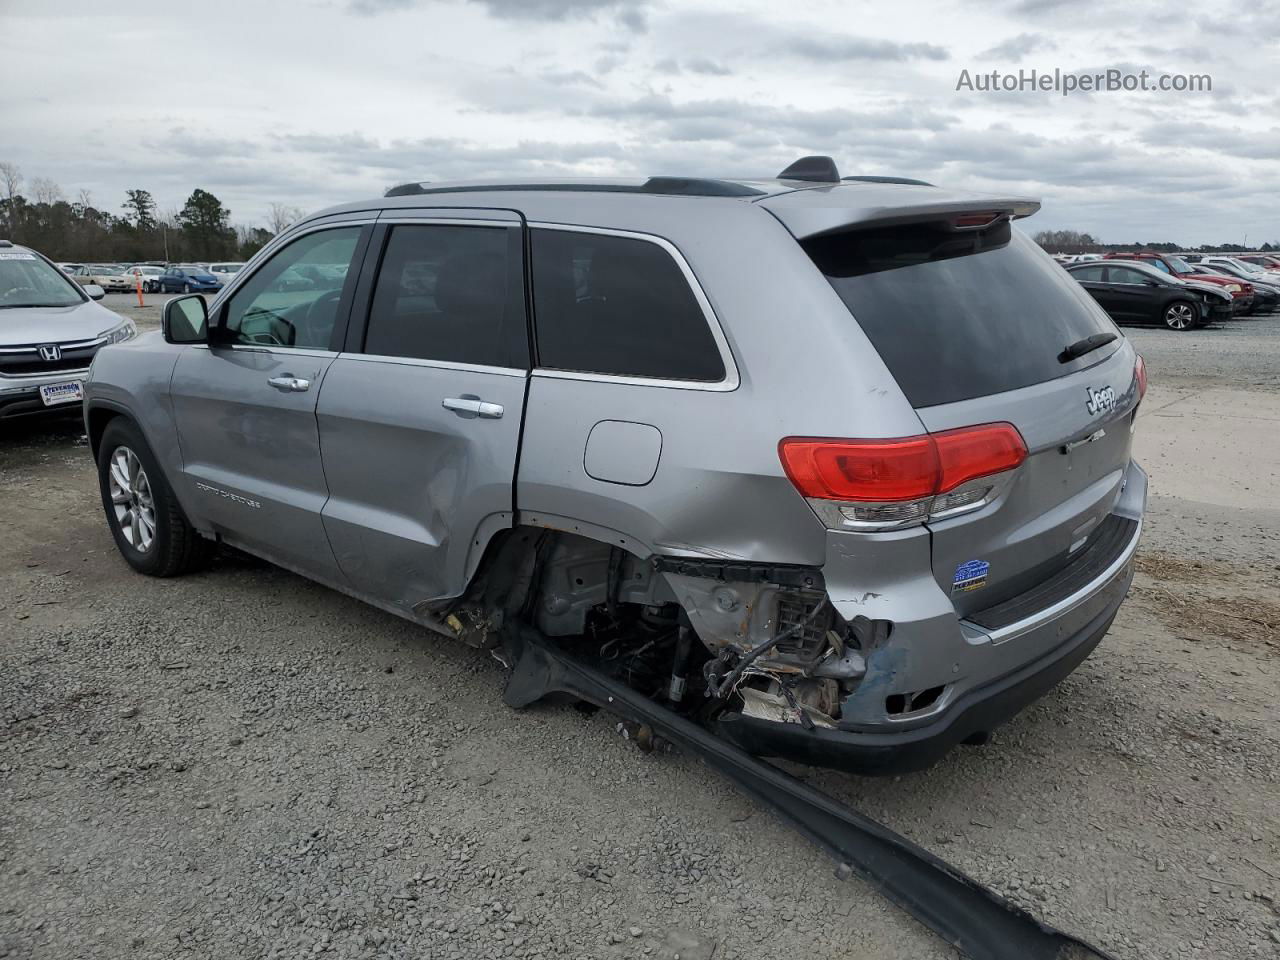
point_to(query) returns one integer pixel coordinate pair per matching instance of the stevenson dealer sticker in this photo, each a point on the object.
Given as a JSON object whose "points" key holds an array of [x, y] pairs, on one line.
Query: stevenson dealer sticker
{"points": [[970, 576]]}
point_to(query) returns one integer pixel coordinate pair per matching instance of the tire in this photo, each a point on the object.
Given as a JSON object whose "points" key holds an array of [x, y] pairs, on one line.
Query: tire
{"points": [[1181, 315], [149, 528], [186, 288]]}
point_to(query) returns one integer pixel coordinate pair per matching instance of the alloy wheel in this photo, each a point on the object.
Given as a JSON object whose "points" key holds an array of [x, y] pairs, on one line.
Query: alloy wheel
{"points": [[131, 499], [1179, 316]]}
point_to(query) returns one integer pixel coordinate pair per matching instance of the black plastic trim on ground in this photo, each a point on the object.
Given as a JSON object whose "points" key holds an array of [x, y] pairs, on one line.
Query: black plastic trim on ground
{"points": [[977, 921]]}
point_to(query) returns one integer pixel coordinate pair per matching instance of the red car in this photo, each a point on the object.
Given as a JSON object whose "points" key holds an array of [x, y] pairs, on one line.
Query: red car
{"points": [[1264, 260], [1241, 290]]}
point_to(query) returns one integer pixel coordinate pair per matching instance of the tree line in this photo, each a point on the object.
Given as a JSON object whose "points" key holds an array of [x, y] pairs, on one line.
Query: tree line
{"points": [[1072, 241], [37, 214]]}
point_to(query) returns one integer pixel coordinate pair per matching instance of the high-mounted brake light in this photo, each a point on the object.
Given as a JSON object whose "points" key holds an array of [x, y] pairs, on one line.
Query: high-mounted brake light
{"points": [[886, 483], [982, 219], [1140, 374]]}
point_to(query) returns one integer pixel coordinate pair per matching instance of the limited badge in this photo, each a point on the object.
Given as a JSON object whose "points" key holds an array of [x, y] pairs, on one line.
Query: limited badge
{"points": [[970, 576]]}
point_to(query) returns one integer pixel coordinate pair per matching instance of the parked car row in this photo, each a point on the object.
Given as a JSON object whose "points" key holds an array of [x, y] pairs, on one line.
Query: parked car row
{"points": [[156, 278], [1179, 292]]}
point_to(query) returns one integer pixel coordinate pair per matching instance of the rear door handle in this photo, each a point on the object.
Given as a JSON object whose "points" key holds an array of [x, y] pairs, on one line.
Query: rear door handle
{"points": [[472, 406], [290, 384]]}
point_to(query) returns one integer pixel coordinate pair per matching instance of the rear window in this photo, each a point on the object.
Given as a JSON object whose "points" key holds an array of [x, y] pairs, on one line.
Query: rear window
{"points": [[960, 315], [617, 305]]}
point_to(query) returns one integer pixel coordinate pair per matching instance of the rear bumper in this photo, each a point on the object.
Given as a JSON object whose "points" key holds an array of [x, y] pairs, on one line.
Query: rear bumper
{"points": [[973, 715], [971, 674]]}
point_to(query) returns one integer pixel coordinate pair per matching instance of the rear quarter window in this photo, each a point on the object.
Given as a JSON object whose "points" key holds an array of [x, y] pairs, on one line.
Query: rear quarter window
{"points": [[618, 305], [960, 315]]}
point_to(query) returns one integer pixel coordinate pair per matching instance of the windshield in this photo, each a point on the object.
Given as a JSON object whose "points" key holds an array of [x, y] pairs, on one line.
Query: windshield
{"points": [[27, 281], [960, 315]]}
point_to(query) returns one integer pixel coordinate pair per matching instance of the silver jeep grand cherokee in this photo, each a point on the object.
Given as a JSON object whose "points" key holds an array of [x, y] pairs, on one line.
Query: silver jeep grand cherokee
{"points": [[840, 468]]}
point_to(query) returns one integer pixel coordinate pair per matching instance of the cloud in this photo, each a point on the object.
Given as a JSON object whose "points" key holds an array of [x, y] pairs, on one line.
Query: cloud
{"points": [[670, 66], [630, 13], [453, 89], [1232, 141], [1046, 6], [829, 49], [371, 8], [1015, 48]]}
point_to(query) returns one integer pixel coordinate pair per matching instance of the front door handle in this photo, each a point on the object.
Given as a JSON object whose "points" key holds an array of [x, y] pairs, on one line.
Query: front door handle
{"points": [[472, 407], [290, 384]]}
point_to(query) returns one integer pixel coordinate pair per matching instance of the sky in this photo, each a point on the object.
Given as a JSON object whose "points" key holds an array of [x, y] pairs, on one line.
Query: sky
{"points": [[315, 102]]}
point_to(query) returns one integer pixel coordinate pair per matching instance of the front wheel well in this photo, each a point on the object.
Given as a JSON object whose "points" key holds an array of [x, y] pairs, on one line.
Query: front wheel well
{"points": [[98, 419]]}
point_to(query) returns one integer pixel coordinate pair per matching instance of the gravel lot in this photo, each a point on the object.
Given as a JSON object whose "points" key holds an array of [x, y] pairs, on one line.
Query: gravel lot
{"points": [[243, 764]]}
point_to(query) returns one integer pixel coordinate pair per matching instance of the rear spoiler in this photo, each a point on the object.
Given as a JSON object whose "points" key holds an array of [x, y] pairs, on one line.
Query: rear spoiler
{"points": [[815, 213]]}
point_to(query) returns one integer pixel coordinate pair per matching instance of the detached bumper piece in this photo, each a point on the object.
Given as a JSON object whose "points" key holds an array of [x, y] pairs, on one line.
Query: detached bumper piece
{"points": [[974, 919]]}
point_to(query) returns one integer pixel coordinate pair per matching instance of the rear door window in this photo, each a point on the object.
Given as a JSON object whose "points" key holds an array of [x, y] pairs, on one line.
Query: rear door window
{"points": [[450, 293], [1124, 275], [618, 305], [1093, 274], [960, 315]]}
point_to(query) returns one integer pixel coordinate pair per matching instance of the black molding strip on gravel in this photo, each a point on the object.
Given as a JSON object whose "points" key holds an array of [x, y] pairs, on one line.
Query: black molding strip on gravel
{"points": [[977, 921]]}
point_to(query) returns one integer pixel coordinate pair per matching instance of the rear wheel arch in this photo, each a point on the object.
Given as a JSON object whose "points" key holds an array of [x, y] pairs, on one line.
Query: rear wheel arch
{"points": [[523, 565]]}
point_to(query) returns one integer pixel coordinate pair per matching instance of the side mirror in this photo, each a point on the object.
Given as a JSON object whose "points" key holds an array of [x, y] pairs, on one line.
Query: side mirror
{"points": [[94, 292], [186, 320]]}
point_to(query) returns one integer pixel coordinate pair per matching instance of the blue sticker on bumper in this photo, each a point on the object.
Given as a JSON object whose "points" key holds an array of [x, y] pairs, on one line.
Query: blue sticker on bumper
{"points": [[970, 576]]}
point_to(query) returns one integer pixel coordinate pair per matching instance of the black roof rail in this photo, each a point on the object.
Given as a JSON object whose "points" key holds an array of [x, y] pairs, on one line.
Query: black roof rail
{"points": [[404, 190], [698, 187], [813, 169], [908, 180], [662, 186]]}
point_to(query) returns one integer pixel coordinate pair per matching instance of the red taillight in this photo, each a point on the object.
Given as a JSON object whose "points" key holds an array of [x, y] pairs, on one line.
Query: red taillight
{"points": [[973, 452], [1140, 373], [874, 470], [907, 468]]}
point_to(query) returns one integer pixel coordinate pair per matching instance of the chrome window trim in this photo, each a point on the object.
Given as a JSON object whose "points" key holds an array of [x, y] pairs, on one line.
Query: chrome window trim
{"points": [[436, 364], [268, 348], [419, 219], [731, 380]]}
